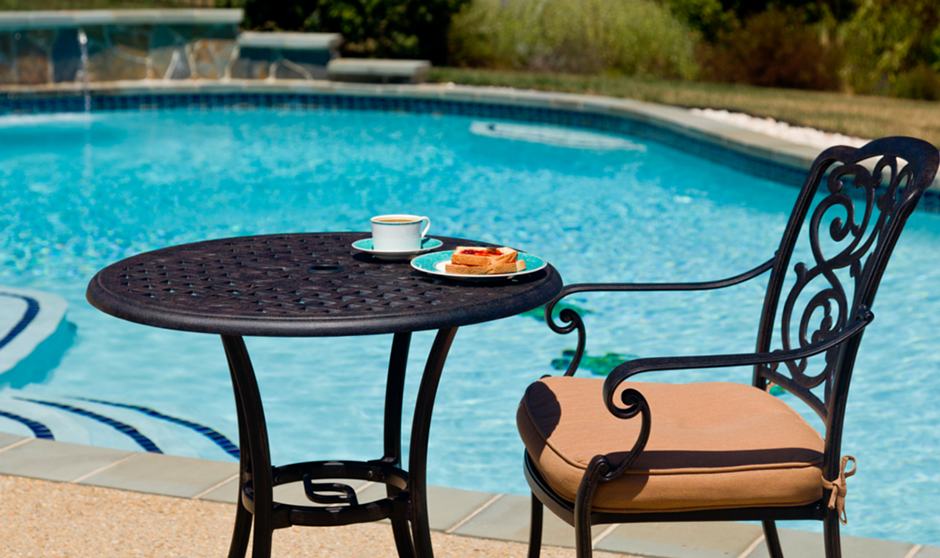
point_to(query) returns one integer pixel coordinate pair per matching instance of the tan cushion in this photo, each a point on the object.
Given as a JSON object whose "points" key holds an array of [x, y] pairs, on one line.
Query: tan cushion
{"points": [[712, 445]]}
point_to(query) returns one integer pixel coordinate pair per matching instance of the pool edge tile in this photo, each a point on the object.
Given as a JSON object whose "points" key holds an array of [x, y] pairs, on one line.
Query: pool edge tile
{"points": [[809, 544], [7, 440], [681, 540], [167, 475], [225, 492], [57, 461], [507, 519]]}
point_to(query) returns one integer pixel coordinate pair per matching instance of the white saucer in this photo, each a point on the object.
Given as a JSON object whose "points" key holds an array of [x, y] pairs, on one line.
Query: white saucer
{"points": [[427, 244]]}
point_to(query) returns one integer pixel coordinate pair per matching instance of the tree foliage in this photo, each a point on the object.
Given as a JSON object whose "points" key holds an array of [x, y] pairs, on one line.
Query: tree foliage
{"points": [[384, 28], [773, 49], [888, 41]]}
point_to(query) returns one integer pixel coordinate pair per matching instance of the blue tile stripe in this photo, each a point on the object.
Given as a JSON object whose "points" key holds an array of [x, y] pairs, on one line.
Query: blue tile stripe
{"points": [[39, 429], [31, 103], [125, 429], [32, 310], [17, 104], [217, 437]]}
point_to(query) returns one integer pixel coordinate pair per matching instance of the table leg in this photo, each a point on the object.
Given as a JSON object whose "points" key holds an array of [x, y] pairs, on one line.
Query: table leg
{"points": [[394, 393], [242, 530], [420, 430], [253, 437]]}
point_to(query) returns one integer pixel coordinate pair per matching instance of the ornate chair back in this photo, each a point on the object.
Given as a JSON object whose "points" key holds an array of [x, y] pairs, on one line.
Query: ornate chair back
{"points": [[860, 200]]}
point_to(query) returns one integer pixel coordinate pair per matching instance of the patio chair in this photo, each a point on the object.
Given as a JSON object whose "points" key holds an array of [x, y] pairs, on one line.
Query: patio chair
{"points": [[615, 451]]}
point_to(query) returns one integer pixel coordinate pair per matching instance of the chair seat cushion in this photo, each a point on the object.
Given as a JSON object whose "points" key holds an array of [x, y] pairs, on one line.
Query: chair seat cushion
{"points": [[712, 445]]}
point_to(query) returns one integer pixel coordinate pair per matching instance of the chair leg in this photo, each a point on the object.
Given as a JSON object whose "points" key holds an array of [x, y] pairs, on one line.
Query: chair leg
{"points": [[831, 532], [772, 540], [535, 529], [582, 506]]}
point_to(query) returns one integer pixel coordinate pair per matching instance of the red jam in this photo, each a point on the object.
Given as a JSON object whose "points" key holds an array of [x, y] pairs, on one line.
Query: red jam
{"points": [[481, 252]]}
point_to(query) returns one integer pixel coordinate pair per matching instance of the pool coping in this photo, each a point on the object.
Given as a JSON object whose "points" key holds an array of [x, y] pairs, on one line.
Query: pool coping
{"points": [[459, 512], [782, 155]]}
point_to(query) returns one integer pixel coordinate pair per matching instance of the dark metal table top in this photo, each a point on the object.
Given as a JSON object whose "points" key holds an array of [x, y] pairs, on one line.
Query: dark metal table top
{"points": [[302, 285]]}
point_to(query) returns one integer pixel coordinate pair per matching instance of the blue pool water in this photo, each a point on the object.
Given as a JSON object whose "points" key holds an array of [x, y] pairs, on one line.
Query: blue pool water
{"points": [[80, 192]]}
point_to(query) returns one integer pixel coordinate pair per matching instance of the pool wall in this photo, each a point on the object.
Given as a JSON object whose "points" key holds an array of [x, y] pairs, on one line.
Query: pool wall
{"points": [[91, 46], [46, 47]]}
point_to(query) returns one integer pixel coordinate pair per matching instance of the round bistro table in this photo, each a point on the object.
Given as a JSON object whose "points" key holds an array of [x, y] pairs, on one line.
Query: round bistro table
{"points": [[315, 285]]}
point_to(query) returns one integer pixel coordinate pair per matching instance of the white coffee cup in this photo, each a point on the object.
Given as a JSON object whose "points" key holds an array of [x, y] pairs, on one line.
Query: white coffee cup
{"points": [[398, 233]]}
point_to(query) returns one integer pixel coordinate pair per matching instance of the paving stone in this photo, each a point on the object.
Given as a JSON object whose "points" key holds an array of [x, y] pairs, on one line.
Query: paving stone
{"points": [[8, 439], [226, 493], [56, 461], [164, 474], [507, 519], [806, 544], [928, 552], [682, 540], [449, 506]]}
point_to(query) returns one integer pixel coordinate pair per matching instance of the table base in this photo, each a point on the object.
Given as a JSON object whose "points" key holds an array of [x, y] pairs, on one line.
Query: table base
{"points": [[347, 510], [406, 505]]}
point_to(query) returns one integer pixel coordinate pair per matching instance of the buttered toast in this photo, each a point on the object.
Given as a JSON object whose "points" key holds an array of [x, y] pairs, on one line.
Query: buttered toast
{"points": [[481, 255], [484, 261], [494, 269]]}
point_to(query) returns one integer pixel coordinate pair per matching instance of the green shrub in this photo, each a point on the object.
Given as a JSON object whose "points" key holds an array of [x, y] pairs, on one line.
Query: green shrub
{"points": [[386, 28], [773, 49], [923, 83], [631, 37], [886, 38], [706, 16]]}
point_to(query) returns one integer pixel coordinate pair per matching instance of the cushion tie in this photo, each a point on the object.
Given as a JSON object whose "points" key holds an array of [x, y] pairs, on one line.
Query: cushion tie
{"points": [[839, 489]]}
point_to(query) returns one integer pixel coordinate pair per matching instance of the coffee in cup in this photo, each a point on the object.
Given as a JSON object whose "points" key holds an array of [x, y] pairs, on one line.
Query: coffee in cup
{"points": [[398, 233]]}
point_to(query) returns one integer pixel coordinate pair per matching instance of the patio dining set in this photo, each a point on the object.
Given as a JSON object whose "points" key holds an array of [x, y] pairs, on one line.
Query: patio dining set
{"points": [[598, 451]]}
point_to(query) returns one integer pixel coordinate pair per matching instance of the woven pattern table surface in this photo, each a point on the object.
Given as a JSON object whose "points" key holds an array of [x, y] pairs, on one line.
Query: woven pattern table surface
{"points": [[305, 284]]}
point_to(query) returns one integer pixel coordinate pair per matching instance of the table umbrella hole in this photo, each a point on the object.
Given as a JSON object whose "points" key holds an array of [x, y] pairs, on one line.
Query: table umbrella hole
{"points": [[324, 269]]}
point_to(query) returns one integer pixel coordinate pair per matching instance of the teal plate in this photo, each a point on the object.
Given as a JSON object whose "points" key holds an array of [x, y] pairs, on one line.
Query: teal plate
{"points": [[427, 244], [434, 264]]}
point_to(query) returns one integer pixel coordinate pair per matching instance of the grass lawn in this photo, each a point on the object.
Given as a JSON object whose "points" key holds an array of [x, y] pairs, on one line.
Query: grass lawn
{"points": [[855, 115]]}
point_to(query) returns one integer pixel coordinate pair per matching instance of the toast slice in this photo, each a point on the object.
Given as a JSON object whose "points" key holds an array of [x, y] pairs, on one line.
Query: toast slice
{"points": [[482, 256], [493, 269]]}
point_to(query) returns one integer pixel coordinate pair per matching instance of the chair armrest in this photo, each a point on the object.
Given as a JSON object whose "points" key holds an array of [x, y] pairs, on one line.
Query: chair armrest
{"points": [[574, 321], [640, 365], [653, 287], [634, 403]]}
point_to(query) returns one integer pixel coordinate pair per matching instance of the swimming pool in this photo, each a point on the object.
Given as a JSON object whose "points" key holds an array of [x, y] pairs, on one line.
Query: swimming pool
{"points": [[82, 191]]}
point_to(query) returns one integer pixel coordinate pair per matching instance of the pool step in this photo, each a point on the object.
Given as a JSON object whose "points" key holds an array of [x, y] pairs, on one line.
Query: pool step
{"points": [[315, 56], [377, 70], [33, 335], [284, 55], [111, 425]]}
